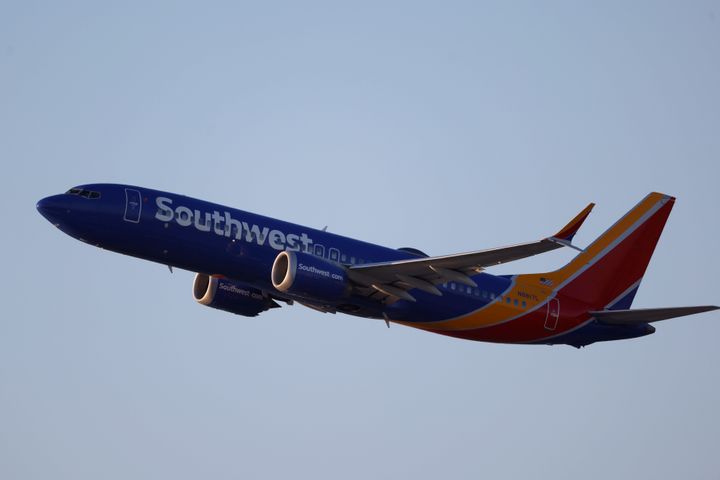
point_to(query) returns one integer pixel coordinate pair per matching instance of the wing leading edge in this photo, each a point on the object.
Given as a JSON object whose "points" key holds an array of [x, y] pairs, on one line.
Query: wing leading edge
{"points": [[389, 281]]}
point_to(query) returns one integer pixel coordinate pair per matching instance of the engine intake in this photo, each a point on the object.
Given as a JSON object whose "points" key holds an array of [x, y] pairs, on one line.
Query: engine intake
{"points": [[309, 276], [230, 296]]}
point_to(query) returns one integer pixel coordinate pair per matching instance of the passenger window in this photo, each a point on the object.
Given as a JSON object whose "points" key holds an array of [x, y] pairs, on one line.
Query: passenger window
{"points": [[516, 302], [452, 286], [507, 300], [524, 304]]}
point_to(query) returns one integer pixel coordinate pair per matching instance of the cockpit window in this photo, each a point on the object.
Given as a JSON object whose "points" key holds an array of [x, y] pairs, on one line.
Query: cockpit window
{"points": [[83, 193]]}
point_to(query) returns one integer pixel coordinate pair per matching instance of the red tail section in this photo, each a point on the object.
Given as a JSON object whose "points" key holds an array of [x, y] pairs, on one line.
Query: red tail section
{"points": [[609, 271]]}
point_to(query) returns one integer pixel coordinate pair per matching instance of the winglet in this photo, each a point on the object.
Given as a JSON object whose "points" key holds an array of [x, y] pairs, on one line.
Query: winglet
{"points": [[568, 231]]}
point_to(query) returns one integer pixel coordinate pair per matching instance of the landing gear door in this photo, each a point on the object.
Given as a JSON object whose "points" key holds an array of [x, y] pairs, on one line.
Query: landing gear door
{"points": [[133, 206]]}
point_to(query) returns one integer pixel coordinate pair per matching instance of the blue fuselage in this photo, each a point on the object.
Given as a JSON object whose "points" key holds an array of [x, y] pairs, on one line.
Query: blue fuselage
{"points": [[205, 237]]}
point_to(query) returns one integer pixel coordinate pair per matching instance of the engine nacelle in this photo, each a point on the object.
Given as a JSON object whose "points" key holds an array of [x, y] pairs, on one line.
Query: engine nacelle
{"points": [[308, 276], [230, 296]]}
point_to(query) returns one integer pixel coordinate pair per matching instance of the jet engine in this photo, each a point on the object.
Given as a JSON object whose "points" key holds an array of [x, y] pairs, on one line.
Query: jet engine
{"points": [[230, 296], [308, 276]]}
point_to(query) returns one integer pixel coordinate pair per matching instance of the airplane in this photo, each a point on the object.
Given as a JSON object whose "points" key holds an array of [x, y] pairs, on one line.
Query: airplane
{"points": [[247, 264]]}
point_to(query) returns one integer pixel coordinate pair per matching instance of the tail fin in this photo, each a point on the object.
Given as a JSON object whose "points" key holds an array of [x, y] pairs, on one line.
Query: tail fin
{"points": [[607, 274]]}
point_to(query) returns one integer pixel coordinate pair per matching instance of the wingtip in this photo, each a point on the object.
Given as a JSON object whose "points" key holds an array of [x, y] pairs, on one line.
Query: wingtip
{"points": [[568, 231]]}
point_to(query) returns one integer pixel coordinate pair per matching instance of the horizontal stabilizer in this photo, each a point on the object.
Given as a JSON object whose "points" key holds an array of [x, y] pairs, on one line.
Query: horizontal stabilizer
{"points": [[646, 315]]}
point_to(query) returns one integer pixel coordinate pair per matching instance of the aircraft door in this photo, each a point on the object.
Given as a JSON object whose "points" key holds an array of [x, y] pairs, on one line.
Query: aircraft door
{"points": [[133, 205], [553, 314]]}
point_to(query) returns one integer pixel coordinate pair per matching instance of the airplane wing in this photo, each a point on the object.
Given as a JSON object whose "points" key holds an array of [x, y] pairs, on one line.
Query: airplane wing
{"points": [[647, 315], [389, 281]]}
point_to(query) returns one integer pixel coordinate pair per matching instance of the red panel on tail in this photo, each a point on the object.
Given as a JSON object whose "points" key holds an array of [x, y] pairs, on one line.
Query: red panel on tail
{"points": [[614, 272]]}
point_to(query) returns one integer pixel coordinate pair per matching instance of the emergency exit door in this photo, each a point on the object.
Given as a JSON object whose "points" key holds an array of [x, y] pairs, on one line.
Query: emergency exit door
{"points": [[133, 205], [553, 314]]}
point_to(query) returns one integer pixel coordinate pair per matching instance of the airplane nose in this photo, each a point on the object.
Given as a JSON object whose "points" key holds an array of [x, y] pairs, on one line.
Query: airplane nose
{"points": [[52, 207]]}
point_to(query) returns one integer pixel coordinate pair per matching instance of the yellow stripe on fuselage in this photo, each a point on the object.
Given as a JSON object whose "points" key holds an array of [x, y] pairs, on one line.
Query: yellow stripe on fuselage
{"points": [[527, 287]]}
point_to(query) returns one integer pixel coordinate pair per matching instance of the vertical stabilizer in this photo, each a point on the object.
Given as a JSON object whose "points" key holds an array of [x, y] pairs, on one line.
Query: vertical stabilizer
{"points": [[607, 274]]}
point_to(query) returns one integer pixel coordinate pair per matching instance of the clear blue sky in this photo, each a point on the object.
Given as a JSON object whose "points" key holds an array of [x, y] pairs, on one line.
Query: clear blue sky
{"points": [[447, 126]]}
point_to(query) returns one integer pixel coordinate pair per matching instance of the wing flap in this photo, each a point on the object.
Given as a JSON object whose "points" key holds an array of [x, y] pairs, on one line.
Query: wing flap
{"points": [[647, 315]]}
